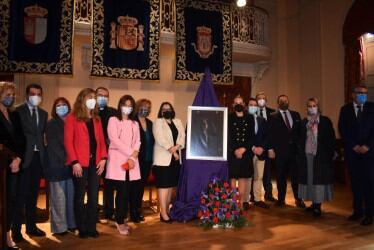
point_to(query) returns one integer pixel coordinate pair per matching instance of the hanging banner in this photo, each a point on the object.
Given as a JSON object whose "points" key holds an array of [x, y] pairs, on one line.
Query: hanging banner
{"points": [[126, 37], [36, 36], [203, 40]]}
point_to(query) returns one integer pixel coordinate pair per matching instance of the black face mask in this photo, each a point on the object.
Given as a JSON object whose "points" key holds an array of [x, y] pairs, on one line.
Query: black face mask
{"points": [[283, 106], [238, 108], [168, 114]]}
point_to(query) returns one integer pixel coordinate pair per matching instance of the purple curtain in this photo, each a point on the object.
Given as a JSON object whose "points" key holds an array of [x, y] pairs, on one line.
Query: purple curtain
{"points": [[196, 174]]}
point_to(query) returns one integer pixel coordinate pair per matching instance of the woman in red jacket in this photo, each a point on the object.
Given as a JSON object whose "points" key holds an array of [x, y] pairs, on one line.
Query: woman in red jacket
{"points": [[86, 153]]}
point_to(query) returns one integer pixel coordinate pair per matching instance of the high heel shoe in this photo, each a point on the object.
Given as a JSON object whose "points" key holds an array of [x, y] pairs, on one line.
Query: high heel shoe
{"points": [[169, 221]]}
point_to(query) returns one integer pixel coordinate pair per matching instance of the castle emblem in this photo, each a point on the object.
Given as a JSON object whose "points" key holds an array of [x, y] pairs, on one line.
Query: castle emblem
{"points": [[35, 24]]}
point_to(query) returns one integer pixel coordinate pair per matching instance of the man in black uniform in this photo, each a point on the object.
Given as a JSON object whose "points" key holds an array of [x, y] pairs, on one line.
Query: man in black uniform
{"points": [[105, 112]]}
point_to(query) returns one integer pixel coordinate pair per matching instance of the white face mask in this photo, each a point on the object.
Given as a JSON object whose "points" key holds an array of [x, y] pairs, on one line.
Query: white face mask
{"points": [[261, 102], [91, 103], [312, 110], [35, 100], [126, 110]]}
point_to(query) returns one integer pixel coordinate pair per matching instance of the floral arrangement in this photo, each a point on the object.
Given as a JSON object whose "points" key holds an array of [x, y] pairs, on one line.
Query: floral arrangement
{"points": [[220, 206]]}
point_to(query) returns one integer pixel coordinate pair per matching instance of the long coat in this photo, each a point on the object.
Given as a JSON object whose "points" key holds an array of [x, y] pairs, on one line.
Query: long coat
{"points": [[323, 167]]}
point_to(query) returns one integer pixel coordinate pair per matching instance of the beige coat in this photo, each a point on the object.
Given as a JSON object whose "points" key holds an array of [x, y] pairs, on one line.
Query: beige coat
{"points": [[164, 141]]}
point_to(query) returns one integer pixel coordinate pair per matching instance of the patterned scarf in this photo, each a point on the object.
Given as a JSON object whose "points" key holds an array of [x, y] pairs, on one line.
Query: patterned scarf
{"points": [[311, 135]]}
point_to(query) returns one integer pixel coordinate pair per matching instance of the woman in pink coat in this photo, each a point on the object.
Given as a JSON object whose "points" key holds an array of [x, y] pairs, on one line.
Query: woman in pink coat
{"points": [[123, 166]]}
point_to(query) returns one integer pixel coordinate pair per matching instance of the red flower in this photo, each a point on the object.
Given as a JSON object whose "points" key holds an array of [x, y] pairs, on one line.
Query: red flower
{"points": [[226, 184], [228, 215], [215, 220], [224, 196], [215, 210], [202, 201], [217, 203], [207, 214], [227, 205], [217, 189], [200, 214]]}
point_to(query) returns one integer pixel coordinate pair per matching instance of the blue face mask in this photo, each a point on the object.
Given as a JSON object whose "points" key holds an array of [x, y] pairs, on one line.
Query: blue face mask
{"points": [[252, 110], [143, 112], [62, 110], [8, 101], [361, 98], [102, 101]]}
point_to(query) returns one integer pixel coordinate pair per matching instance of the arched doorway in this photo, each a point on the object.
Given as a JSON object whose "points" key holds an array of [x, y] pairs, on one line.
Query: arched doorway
{"points": [[358, 21]]}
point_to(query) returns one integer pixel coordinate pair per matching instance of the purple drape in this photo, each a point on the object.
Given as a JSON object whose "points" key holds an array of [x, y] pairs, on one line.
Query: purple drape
{"points": [[196, 174]]}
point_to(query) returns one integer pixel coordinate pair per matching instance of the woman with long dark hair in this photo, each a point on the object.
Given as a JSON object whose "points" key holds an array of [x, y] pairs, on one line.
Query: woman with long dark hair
{"points": [[123, 165]]}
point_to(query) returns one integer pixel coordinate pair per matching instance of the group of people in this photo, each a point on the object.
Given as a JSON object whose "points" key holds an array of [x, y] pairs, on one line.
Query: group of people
{"points": [[303, 149], [75, 148], [89, 140]]}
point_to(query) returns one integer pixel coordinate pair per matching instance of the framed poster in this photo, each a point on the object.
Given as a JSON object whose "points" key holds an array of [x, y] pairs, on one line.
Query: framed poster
{"points": [[207, 133]]}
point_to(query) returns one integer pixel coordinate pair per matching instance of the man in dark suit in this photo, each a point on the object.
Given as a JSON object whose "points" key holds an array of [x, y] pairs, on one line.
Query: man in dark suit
{"points": [[259, 150], [356, 126], [284, 129], [105, 112], [33, 121], [264, 111]]}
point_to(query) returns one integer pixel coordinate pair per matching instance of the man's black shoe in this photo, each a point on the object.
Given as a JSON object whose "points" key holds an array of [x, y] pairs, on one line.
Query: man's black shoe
{"points": [[354, 217], [367, 221]]}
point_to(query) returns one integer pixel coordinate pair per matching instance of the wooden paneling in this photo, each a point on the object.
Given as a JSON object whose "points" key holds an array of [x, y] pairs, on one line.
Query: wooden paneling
{"points": [[226, 93]]}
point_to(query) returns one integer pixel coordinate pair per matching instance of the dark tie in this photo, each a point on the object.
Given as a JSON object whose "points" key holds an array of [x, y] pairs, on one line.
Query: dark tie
{"points": [[359, 112], [33, 117], [288, 125], [261, 114]]}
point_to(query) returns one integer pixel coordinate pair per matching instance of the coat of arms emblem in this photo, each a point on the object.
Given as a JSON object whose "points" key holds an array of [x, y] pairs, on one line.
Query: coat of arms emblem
{"points": [[126, 34], [35, 24], [204, 45]]}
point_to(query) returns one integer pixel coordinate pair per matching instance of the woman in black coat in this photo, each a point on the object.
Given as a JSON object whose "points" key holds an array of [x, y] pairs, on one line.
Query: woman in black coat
{"points": [[240, 143], [317, 149], [11, 136]]}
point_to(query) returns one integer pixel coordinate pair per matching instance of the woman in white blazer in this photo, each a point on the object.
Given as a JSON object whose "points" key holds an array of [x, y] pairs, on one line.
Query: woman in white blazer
{"points": [[169, 140]]}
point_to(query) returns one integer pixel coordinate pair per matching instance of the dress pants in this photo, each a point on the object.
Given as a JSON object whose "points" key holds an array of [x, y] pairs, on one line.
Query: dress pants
{"points": [[361, 170], [258, 173], [27, 195], [86, 215], [268, 186], [108, 197], [12, 182], [61, 200], [145, 169], [127, 195], [286, 164]]}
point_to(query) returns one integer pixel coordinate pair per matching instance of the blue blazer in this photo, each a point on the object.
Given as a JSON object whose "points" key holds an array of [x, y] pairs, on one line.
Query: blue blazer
{"points": [[354, 132]]}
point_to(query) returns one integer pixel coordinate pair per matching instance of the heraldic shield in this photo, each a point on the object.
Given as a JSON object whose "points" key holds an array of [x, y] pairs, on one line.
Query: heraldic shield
{"points": [[204, 46], [127, 33], [35, 24]]}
